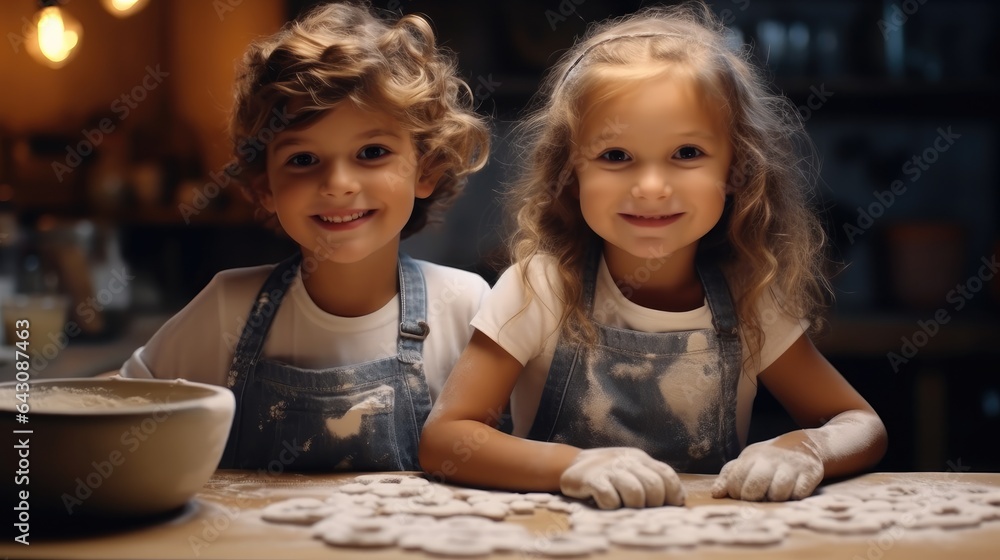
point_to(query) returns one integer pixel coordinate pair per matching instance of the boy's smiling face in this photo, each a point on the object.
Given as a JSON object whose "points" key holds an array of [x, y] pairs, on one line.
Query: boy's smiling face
{"points": [[343, 185]]}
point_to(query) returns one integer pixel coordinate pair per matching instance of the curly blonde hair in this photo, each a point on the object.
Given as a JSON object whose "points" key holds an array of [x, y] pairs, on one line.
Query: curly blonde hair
{"points": [[343, 51], [768, 225]]}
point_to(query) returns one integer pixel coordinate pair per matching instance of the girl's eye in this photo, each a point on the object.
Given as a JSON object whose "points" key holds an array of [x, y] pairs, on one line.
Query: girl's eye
{"points": [[688, 152], [615, 156], [372, 152], [302, 160]]}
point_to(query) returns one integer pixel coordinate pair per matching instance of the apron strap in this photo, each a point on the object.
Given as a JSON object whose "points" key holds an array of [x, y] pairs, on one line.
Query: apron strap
{"points": [[591, 265], [413, 327], [261, 315], [251, 342], [726, 323], [720, 301], [565, 358]]}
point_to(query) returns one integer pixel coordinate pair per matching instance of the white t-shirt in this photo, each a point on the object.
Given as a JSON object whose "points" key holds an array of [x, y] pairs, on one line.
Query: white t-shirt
{"points": [[198, 343], [530, 336]]}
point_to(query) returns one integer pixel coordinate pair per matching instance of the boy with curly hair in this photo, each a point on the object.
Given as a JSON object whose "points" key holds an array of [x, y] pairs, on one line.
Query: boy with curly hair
{"points": [[350, 132]]}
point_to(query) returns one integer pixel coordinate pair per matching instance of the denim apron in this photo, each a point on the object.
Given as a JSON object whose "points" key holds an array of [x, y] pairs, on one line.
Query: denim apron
{"points": [[673, 395], [364, 417]]}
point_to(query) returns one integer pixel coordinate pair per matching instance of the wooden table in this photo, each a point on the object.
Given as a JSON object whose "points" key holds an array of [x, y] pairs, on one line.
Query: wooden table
{"points": [[223, 521]]}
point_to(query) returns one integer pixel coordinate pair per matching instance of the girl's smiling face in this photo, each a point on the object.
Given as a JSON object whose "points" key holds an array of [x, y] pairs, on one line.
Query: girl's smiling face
{"points": [[343, 185], [653, 166]]}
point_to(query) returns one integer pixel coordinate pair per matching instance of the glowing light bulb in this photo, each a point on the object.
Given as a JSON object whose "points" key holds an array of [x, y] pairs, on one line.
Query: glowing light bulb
{"points": [[124, 8], [54, 40], [57, 36]]}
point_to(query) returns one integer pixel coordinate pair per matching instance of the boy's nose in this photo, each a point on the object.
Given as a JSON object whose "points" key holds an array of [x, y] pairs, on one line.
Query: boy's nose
{"points": [[652, 183], [339, 181]]}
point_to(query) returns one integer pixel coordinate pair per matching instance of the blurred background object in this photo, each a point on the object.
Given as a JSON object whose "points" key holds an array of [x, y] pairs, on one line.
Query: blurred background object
{"points": [[123, 8], [54, 35], [112, 190]]}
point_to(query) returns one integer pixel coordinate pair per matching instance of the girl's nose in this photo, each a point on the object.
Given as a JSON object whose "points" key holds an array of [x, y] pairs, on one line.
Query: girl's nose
{"points": [[653, 183], [339, 181]]}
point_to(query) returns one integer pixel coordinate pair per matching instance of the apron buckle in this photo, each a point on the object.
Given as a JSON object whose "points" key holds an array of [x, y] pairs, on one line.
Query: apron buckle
{"points": [[417, 332]]}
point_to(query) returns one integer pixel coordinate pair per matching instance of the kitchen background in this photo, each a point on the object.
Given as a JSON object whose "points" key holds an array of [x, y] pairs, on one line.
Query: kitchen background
{"points": [[113, 203]]}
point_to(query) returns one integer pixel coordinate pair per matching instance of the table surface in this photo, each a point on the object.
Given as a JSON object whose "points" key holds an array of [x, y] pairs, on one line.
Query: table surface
{"points": [[223, 521]]}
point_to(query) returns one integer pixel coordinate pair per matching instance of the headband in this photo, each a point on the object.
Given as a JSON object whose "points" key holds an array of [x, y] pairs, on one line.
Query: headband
{"points": [[608, 40]]}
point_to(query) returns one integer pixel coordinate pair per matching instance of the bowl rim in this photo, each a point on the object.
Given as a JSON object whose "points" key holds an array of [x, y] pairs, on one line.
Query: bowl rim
{"points": [[220, 397]]}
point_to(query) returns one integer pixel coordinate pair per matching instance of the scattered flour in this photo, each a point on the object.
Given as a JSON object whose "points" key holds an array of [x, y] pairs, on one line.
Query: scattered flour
{"points": [[697, 342], [350, 423], [277, 410], [598, 404], [687, 394], [411, 513]]}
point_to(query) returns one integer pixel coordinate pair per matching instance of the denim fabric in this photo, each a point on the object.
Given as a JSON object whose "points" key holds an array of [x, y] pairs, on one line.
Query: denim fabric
{"points": [[364, 417], [672, 394]]}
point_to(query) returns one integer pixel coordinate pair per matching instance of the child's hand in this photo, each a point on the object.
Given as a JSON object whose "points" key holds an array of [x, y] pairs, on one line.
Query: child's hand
{"points": [[613, 476], [777, 470]]}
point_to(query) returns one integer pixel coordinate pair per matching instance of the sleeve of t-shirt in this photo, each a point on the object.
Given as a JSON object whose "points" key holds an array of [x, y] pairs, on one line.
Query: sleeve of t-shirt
{"points": [[191, 345], [517, 322], [479, 292], [454, 298], [780, 329]]}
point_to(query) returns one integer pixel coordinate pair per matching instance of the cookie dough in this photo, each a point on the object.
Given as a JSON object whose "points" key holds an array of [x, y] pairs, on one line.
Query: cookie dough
{"points": [[409, 512]]}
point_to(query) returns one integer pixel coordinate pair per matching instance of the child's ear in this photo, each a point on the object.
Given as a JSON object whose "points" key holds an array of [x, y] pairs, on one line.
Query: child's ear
{"points": [[261, 186], [426, 184]]}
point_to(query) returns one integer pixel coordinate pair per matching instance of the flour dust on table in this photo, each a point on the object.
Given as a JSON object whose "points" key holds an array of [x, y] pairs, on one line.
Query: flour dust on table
{"points": [[413, 513]]}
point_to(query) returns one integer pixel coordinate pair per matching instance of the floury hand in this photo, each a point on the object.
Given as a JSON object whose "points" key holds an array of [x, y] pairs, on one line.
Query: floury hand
{"points": [[775, 470], [616, 476], [792, 465]]}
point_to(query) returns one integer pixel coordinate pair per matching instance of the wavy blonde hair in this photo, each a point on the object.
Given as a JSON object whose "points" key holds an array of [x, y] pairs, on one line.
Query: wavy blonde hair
{"points": [[344, 52], [767, 227]]}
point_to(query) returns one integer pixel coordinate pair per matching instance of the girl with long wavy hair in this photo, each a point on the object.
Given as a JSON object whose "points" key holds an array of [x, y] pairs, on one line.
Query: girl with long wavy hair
{"points": [[666, 259]]}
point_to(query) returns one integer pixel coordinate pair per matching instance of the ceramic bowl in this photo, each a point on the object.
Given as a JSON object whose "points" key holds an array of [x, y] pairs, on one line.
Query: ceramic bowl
{"points": [[112, 447]]}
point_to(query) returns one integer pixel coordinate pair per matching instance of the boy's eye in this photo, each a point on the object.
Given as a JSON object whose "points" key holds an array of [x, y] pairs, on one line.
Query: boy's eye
{"points": [[302, 160], [615, 156], [372, 152], [688, 152]]}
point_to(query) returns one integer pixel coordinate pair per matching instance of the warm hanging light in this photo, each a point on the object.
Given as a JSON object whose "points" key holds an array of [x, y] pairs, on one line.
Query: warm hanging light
{"points": [[56, 36], [124, 8]]}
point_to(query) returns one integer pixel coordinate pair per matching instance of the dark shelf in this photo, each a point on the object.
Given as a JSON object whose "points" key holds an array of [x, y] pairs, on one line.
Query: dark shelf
{"points": [[892, 98], [874, 336], [173, 216]]}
